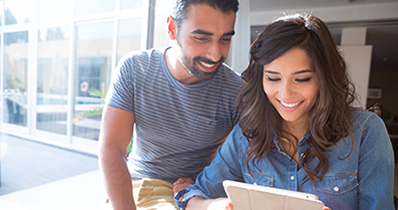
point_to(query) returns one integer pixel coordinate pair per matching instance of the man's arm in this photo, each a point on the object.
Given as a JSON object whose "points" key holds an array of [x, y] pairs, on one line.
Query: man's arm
{"points": [[115, 135], [182, 183]]}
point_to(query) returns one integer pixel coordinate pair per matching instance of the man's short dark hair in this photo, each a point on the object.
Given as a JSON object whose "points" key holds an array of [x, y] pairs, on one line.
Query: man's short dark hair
{"points": [[180, 8]]}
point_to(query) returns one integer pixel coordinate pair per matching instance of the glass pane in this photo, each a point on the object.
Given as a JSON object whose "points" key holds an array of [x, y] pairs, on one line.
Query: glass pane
{"points": [[52, 82], [94, 50], [87, 7], [1, 12], [15, 77], [54, 9], [1, 78], [160, 38], [165, 4], [130, 4], [163, 8], [129, 36], [14, 13]]}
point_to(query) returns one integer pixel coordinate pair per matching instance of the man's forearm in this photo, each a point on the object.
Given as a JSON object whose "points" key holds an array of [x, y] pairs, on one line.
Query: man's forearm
{"points": [[117, 180]]}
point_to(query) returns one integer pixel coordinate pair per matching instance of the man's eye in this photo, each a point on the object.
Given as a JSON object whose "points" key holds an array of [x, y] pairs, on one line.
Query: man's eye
{"points": [[200, 38], [303, 80], [273, 79], [226, 39]]}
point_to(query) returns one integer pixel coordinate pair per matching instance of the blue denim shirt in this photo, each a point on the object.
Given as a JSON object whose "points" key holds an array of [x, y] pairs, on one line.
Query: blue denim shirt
{"points": [[363, 180]]}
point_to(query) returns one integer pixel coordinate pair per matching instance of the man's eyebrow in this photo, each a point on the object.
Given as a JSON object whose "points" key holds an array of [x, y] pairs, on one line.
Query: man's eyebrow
{"points": [[229, 33], [202, 32], [206, 33]]}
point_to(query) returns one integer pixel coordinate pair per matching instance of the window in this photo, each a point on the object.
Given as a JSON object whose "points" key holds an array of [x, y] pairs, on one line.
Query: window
{"points": [[15, 65], [57, 62], [52, 82], [52, 10], [55, 67], [131, 4], [1, 13], [163, 8], [129, 36], [14, 13], [88, 7], [93, 60]]}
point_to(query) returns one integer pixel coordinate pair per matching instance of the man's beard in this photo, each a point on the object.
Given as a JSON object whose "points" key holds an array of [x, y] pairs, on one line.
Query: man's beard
{"points": [[192, 65]]}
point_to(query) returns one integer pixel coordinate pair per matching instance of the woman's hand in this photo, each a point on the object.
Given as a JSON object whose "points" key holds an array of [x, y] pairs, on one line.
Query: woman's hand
{"points": [[199, 203], [220, 204], [225, 204]]}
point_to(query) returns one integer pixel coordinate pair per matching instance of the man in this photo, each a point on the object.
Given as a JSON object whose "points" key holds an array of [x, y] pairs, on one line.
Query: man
{"points": [[181, 101]]}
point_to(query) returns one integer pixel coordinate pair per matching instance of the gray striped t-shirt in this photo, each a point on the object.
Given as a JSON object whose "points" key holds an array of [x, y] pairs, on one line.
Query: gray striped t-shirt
{"points": [[178, 127]]}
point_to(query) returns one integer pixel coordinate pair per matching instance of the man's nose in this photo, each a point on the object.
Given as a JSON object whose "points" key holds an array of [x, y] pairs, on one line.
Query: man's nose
{"points": [[214, 52]]}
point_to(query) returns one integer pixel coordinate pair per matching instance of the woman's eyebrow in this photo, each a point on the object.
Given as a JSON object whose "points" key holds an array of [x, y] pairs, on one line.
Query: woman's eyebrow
{"points": [[297, 72], [303, 71], [271, 72]]}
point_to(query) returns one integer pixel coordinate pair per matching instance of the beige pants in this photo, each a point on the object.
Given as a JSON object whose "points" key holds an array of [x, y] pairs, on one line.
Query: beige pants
{"points": [[151, 194]]}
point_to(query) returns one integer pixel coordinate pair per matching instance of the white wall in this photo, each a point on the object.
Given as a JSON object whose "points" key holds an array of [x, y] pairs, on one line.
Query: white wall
{"points": [[336, 14]]}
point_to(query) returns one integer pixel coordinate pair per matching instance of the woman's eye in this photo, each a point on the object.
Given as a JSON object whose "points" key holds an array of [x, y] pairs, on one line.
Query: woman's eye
{"points": [[273, 79], [304, 80]]}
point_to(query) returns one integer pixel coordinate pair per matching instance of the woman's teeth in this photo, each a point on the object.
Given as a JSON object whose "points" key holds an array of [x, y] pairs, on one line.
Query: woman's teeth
{"points": [[290, 105], [207, 65]]}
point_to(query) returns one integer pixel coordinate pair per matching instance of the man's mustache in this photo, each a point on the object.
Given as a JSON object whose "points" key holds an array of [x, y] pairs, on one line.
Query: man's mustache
{"points": [[205, 60]]}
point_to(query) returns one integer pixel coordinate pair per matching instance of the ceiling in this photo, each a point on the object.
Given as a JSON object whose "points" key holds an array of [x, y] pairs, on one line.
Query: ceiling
{"points": [[381, 34]]}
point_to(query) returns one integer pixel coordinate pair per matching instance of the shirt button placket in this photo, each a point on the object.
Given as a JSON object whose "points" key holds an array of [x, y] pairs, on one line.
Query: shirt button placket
{"points": [[293, 176], [293, 182]]}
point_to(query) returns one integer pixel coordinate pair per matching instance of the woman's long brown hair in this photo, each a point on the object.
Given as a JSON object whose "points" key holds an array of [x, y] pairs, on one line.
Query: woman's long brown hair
{"points": [[331, 115]]}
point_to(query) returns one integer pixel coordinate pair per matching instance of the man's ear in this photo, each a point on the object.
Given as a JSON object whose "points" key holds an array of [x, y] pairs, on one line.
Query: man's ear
{"points": [[171, 28]]}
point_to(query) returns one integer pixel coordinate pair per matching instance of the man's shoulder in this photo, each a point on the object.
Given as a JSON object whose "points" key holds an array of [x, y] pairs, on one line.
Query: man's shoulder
{"points": [[230, 75], [154, 53], [142, 61]]}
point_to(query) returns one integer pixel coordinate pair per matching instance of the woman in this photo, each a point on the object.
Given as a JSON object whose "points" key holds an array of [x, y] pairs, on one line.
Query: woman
{"points": [[298, 129]]}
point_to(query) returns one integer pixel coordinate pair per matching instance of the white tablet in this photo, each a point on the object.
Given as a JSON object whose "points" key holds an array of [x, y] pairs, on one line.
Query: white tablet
{"points": [[252, 197]]}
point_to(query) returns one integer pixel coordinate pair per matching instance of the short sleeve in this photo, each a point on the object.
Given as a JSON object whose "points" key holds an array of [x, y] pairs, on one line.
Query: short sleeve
{"points": [[121, 91]]}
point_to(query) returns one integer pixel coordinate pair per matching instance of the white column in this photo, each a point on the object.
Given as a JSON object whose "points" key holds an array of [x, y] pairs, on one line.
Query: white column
{"points": [[238, 57], [358, 57]]}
